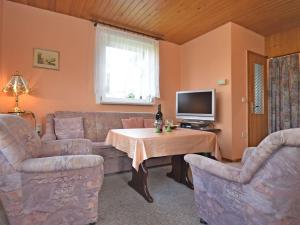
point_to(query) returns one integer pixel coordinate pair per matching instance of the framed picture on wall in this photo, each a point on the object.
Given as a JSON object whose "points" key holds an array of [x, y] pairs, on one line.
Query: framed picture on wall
{"points": [[47, 59]]}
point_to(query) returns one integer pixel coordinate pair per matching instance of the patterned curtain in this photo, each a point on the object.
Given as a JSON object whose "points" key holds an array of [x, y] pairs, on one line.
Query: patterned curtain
{"points": [[284, 93]]}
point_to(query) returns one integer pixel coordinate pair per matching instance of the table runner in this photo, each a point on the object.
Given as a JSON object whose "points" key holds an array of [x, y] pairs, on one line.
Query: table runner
{"points": [[143, 143]]}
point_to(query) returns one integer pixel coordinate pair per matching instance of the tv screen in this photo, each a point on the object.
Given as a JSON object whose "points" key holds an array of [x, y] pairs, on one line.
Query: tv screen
{"points": [[197, 105]]}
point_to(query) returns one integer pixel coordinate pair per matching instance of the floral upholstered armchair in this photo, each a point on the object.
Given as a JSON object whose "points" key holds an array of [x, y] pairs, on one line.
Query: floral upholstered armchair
{"points": [[265, 190], [51, 184]]}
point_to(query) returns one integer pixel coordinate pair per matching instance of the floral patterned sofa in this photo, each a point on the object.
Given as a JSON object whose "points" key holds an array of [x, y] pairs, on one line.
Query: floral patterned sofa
{"points": [[47, 184], [264, 190], [95, 128]]}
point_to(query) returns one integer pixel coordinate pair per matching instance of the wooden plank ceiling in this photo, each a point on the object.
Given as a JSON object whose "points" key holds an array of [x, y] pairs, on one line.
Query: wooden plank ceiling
{"points": [[179, 21]]}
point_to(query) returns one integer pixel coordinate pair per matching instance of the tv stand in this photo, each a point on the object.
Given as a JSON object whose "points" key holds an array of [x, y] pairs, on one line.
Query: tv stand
{"points": [[199, 125]]}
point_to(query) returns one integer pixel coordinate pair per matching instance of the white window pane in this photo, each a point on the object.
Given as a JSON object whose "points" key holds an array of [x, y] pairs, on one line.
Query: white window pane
{"points": [[124, 73], [258, 89]]}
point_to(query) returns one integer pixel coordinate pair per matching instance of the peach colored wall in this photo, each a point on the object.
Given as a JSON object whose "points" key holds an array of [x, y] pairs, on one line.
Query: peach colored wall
{"points": [[242, 40], [70, 88], [222, 54], [1, 44], [205, 60], [169, 77]]}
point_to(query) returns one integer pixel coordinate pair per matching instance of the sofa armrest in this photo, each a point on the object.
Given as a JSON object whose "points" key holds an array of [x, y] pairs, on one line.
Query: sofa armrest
{"points": [[247, 153], [60, 163], [66, 147], [48, 137], [214, 167], [49, 129]]}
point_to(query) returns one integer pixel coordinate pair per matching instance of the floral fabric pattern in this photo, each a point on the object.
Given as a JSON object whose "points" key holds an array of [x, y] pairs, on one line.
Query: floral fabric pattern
{"points": [[284, 93], [265, 190], [54, 190]]}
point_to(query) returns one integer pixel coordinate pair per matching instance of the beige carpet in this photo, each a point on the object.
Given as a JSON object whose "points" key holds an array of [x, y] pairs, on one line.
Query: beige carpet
{"points": [[121, 205]]}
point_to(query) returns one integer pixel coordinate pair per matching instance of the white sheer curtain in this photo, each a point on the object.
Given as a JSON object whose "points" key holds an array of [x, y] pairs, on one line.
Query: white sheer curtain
{"points": [[126, 67]]}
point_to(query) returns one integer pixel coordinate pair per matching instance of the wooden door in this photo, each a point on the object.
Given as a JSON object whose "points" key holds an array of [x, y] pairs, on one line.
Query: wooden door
{"points": [[257, 98]]}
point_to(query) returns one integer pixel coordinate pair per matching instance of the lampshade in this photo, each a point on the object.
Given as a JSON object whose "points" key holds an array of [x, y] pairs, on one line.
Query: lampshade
{"points": [[17, 85]]}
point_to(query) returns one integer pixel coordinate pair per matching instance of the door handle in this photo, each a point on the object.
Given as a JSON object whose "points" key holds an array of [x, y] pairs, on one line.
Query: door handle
{"points": [[253, 107]]}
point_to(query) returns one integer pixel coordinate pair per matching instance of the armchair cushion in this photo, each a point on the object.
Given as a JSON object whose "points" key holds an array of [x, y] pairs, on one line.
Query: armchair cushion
{"points": [[69, 128], [66, 147], [60, 163]]}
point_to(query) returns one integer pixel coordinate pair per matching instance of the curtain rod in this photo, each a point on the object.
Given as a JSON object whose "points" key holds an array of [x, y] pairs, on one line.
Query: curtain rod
{"points": [[126, 29], [284, 55]]}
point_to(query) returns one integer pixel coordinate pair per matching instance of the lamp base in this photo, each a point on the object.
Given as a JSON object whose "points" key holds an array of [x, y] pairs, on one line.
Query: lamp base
{"points": [[17, 110]]}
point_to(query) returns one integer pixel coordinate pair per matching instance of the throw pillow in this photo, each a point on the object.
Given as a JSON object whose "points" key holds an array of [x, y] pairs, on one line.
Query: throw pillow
{"points": [[68, 128]]}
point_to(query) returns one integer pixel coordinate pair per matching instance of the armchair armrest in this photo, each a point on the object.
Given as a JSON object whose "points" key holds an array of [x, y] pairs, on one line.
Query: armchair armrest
{"points": [[246, 153], [60, 163], [214, 167], [66, 147]]}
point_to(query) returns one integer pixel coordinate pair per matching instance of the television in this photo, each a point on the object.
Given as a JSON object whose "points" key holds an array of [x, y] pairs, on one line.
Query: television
{"points": [[199, 105]]}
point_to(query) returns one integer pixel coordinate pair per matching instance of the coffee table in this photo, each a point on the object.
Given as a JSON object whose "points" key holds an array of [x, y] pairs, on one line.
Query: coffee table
{"points": [[143, 143]]}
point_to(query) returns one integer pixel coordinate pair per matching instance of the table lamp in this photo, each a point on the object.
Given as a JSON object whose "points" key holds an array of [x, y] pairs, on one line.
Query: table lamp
{"points": [[17, 85]]}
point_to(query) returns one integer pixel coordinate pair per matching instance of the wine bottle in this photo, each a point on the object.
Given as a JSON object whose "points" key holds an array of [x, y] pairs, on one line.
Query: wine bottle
{"points": [[159, 119]]}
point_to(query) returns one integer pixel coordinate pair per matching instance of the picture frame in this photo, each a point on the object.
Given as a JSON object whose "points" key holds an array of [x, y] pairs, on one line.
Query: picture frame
{"points": [[46, 59]]}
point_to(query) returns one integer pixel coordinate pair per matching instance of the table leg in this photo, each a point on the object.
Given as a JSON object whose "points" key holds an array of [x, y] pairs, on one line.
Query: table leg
{"points": [[139, 182], [180, 171]]}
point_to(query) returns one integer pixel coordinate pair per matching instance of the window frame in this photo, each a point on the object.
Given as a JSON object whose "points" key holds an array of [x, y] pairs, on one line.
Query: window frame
{"points": [[101, 77]]}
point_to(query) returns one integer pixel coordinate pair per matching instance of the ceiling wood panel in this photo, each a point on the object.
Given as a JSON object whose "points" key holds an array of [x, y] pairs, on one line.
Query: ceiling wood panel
{"points": [[147, 10], [283, 43], [179, 21], [126, 10], [138, 8]]}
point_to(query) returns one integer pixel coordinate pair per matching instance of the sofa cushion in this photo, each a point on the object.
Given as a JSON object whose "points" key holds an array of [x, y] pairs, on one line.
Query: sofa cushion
{"points": [[69, 128], [133, 122], [106, 151], [148, 123]]}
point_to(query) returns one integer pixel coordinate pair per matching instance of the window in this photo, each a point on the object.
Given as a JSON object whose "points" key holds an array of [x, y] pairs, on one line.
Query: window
{"points": [[258, 89], [126, 67]]}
